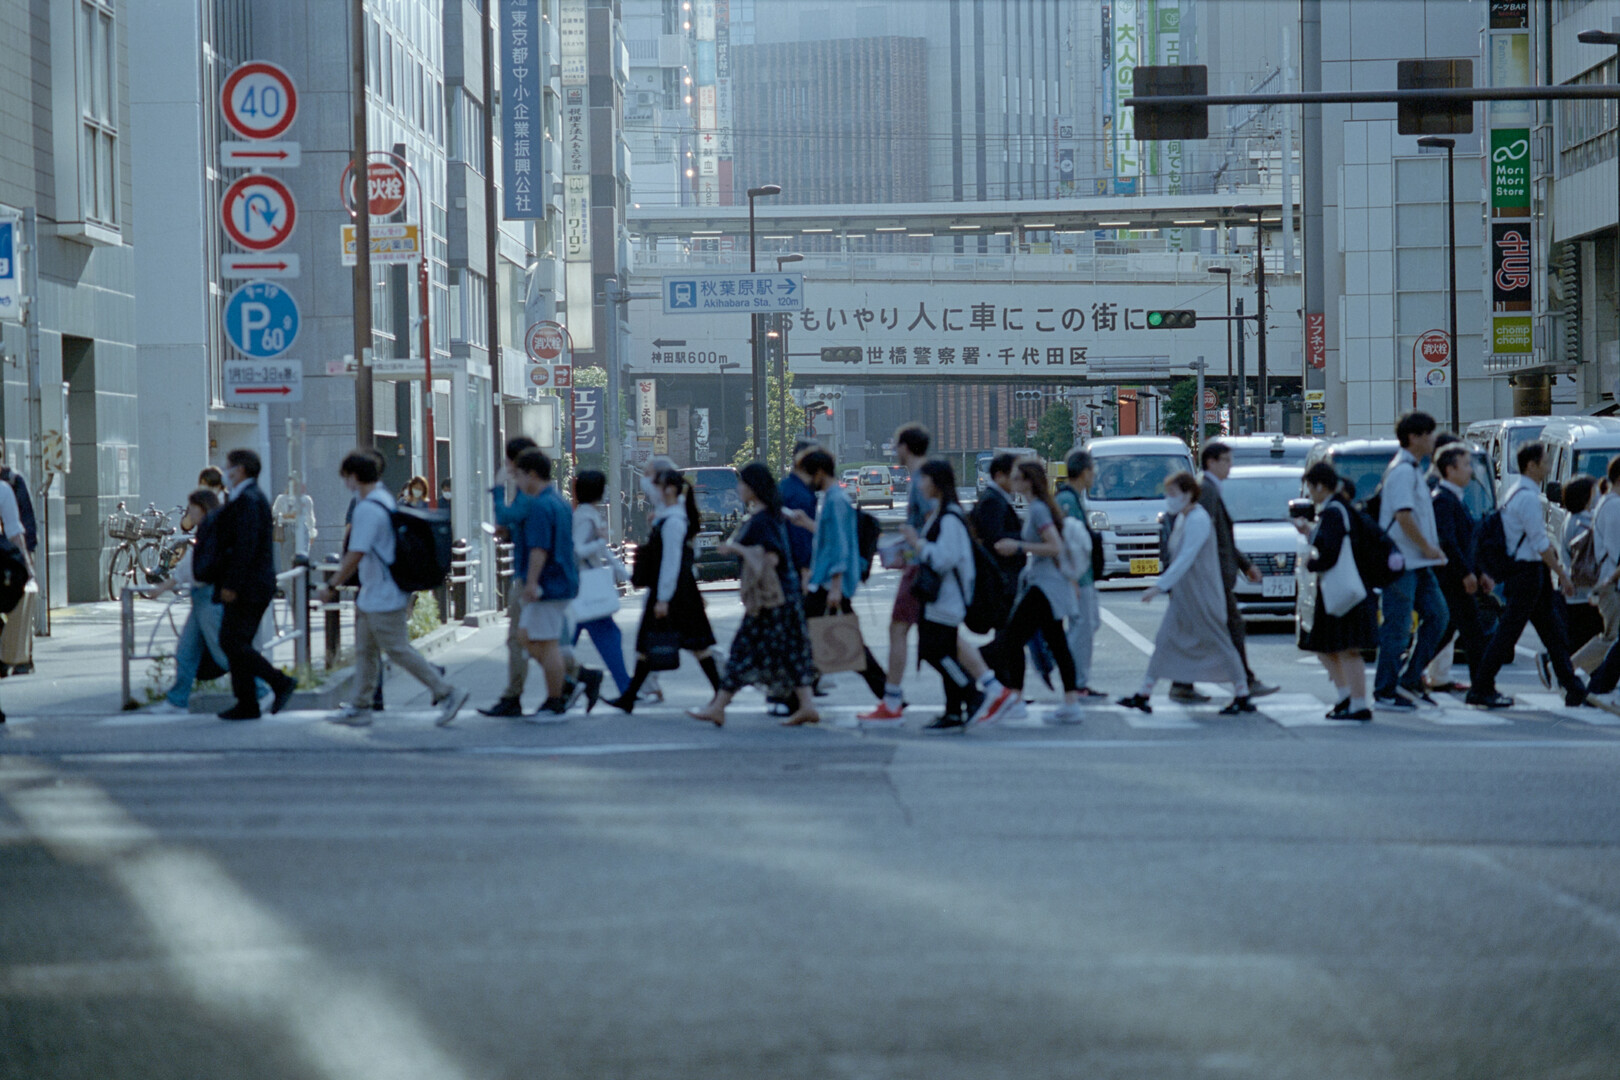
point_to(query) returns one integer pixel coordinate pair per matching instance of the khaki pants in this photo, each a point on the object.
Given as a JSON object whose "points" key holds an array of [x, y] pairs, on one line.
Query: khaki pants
{"points": [[1587, 658], [517, 644], [378, 632], [17, 640]]}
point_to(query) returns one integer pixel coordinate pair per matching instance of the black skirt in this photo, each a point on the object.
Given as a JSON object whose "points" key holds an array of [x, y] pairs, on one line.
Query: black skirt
{"points": [[1355, 629], [687, 616]]}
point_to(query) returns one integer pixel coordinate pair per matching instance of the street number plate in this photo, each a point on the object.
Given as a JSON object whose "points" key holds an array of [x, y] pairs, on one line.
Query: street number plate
{"points": [[1277, 586], [1144, 566]]}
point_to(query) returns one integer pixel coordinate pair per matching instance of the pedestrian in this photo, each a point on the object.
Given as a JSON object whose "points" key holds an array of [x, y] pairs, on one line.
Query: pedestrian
{"points": [[444, 494], [797, 497], [415, 493], [16, 534], [294, 513], [1528, 590], [674, 610], [591, 550], [198, 645], [835, 561], [382, 609], [244, 578], [911, 451], [214, 480], [1215, 461], [511, 509], [944, 546], [771, 648], [550, 574], [995, 518], [1581, 620], [1193, 640], [1460, 580], [1082, 629], [1406, 513], [348, 528], [1605, 598], [1337, 640], [1046, 595], [17, 640]]}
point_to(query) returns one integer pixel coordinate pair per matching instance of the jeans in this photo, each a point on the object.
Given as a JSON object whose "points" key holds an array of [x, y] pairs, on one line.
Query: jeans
{"points": [[609, 642], [1414, 589], [1082, 631], [200, 631]]}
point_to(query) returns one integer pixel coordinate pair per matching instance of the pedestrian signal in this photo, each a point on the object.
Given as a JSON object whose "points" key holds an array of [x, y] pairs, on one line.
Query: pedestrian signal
{"points": [[1172, 320]]}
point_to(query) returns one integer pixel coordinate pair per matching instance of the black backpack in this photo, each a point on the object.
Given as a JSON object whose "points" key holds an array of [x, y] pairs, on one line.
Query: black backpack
{"points": [[867, 534], [1491, 555], [422, 548], [1373, 550], [990, 604], [13, 576]]}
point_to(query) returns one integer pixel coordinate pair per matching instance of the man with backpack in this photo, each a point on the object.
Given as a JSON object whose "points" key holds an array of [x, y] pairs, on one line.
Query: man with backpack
{"points": [[17, 640], [1514, 544], [1406, 514], [1082, 629], [382, 610]]}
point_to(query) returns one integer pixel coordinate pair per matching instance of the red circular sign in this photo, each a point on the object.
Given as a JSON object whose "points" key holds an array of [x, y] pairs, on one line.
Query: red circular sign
{"points": [[539, 375], [545, 342], [1435, 347], [259, 100], [385, 188], [258, 212]]}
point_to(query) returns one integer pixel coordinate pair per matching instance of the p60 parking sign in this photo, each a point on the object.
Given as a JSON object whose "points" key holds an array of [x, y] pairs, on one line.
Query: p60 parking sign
{"points": [[261, 320], [10, 272]]}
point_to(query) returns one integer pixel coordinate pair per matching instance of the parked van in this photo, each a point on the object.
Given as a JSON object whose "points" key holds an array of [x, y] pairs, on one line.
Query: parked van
{"points": [[1263, 448], [1127, 497], [1363, 461], [720, 510], [1576, 446], [1501, 439]]}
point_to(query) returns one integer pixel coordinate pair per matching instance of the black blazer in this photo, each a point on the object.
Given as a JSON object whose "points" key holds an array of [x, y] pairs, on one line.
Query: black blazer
{"points": [[993, 519], [244, 555], [1456, 531]]}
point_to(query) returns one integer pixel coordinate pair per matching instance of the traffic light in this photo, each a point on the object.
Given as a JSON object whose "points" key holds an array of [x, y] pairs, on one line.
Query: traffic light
{"points": [[1172, 320], [1434, 117], [1159, 122], [842, 354]]}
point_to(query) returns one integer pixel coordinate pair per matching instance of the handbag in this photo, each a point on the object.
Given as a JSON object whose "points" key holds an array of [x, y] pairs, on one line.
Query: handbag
{"points": [[1341, 587], [598, 595], [663, 651], [927, 583], [836, 643], [761, 586]]}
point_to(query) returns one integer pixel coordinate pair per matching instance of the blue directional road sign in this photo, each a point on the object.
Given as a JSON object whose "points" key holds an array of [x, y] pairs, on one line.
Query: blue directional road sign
{"points": [[739, 294], [261, 319]]}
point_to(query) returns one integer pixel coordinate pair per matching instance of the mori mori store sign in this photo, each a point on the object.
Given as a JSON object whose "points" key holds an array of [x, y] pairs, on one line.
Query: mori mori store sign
{"points": [[966, 330]]}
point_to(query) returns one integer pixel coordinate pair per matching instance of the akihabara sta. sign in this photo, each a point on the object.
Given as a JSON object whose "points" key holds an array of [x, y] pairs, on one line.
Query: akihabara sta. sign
{"points": [[967, 330]]}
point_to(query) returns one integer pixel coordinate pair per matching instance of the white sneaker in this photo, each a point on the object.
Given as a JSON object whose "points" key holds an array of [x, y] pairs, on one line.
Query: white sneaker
{"points": [[165, 707], [352, 716], [1016, 711], [1067, 713], [1609, 702], [450, 705]]}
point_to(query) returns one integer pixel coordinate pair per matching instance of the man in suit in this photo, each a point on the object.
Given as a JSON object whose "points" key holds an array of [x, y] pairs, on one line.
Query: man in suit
{"points": [[1216, 461], [243, 573], [1459, 581]]}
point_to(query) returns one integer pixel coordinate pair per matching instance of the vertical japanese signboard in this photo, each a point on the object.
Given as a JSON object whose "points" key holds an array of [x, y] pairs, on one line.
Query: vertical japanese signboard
{"points": [[1513, 234], [1106, 126], [722, 100], [707, 112], [588, 418], [573, 50], [646, 407], [1127, 51], [1160, 40], [522, 125]]}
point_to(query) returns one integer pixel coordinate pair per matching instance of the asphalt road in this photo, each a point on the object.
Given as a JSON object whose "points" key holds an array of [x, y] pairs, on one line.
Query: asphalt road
{"points": [[1171, 896]]}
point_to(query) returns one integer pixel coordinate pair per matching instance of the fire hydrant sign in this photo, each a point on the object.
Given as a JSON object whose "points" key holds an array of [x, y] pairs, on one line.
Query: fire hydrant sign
{"points": [[262, 382]]}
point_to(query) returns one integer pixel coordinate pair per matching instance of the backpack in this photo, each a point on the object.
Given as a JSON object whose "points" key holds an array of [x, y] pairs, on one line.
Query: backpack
{"points": [[1071, 508], [1491, 555], [1078, 548], [1378, 560], [989, 606], [1583, 560], [13, 576], [867, 534], [422, 544]]}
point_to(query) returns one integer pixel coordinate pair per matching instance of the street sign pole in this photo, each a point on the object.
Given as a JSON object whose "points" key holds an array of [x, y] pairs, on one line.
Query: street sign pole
{"points": [[364, 417], [1198, 438], [36, 420]]}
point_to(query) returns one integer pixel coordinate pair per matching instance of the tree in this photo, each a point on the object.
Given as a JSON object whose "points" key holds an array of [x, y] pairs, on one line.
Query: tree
{"points": [[778, 401], [1180, 407], [1054, 433]]}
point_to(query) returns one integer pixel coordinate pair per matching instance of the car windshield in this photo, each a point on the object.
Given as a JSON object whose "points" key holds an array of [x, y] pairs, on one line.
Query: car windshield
{"points": [[716, 491], [1363, 469], [1594, 463], [1517, 437], [1259, 498], [1139, 476], [1292, 453]]}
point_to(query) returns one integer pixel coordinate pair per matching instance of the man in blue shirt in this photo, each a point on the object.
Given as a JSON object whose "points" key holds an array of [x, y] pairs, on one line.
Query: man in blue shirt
{"points": [[511, 506], [545, 564]]}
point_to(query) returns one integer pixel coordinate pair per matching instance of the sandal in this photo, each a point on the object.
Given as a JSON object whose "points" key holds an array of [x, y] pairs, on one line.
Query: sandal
{"points": [[717, 719], [801, 718]]}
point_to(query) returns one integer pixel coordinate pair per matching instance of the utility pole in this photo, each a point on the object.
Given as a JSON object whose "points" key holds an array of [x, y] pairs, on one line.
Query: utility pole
{"points": [[1198, 438], [492, 226], [364, 416], [1242, 421]]}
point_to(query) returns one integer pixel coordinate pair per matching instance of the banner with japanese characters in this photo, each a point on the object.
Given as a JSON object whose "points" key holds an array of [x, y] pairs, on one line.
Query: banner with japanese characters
{"points": [[588, 419], [1514, 233], [966, 330], [523, 125]]}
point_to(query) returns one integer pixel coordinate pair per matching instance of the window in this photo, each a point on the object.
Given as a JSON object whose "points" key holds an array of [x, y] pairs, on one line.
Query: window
{"points": [[95, 65], [469, 316], [466, 134], [1586, 128]]}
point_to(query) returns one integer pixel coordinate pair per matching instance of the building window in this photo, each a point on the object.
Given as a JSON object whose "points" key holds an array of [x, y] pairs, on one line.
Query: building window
{"points": [[466, 130], [1586, 129], [469, 315], [95, 64]]}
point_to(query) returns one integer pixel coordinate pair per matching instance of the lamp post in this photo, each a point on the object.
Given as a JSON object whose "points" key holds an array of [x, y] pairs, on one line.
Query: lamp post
{"points": [[1260, 312], [1611, 38], [756, 336], [723, 369], [1434, 142], [781, 335], [1231, 400]]}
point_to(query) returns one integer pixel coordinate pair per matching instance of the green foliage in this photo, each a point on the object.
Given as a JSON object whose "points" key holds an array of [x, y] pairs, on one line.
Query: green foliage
{"points": [[590, 376], [778, 400], [1180, 409], [1054, 435], [424, 615]]}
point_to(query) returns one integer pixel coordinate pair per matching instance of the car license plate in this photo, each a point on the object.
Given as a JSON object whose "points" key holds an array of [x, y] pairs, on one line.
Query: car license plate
{"points": [[703, 543], [1277, 586], [1144, 566]]}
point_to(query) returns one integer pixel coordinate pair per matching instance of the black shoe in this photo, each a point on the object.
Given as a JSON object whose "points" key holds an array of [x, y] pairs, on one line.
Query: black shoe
{"points": [[5, 671], [1393, 703], [2, 717], [1420, 696], [625, 703], [593, 687], [1544, 670], [555, 706], [377, 701], [1138, 702], [283, 696], [1184, 694], [1363, 715], [23, 669], [944, 723], [507, 706], [1339, 711], [1488, 699], [1575, 697], [1238, 706], [236, 712]]}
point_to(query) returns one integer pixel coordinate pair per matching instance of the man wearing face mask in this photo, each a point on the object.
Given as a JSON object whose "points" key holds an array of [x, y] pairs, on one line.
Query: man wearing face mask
{"points": [[511, 508]]}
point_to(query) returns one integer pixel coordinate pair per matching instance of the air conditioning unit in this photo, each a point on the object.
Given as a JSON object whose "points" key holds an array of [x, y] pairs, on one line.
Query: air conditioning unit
{"points": [[646, 97]]}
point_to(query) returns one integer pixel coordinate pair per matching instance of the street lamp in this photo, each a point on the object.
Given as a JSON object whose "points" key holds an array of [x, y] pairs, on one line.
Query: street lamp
{"points": [[1611, 38], [1436, 142], [723, 369], [781, 260], [785, 320], [1260, 314], [1231, 400], [755, 334]]}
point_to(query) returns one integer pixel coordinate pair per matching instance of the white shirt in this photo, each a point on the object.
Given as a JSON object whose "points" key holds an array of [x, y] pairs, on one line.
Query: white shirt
{"points": [[11, 517], [1606, 533], [1523, 526], [239, 488], [1404, 489], [373, 534], [590, 537], [952, 555]]}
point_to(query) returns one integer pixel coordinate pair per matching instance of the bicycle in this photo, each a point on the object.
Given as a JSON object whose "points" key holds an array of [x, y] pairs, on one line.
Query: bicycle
{"points": [[145, 553]]}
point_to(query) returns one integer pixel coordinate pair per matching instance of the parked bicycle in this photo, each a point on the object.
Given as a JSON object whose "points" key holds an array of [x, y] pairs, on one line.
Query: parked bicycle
{"points": [[148, 547]]}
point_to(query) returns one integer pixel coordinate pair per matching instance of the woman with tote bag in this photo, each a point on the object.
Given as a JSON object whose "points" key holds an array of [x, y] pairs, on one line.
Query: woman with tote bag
{"points": [[599, 576], [1336, 625]]}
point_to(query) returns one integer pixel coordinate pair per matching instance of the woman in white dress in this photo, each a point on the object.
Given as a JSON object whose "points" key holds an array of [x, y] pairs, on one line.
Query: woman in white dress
{"points": [[1193, 642]]}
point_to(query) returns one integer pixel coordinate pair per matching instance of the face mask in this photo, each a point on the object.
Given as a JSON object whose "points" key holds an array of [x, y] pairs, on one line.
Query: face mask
{"points": [[1175, 502], [649, 489]]}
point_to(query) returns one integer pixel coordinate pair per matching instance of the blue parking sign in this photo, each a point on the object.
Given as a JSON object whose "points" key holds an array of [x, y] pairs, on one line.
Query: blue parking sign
{"points": [[261, 320], [10, 278]]}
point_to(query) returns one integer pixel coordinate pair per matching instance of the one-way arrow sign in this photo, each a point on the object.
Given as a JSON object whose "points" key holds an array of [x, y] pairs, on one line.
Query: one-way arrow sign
{"points": [[260, 155], [258, 265], [660, 343]]}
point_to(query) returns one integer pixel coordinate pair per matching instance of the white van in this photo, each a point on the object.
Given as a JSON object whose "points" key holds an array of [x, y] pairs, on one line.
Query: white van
{"points": [[1576, 446], [1501, 439], [1126, 499]]}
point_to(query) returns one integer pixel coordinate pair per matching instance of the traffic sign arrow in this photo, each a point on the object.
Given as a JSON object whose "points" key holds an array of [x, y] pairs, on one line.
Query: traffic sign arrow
{"points": [[282, 390], [235, 264], [265, 155], [660, 343]]}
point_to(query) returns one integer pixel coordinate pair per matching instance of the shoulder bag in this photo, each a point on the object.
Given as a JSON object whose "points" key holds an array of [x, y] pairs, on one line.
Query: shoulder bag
{"points": [[1341, 587]]}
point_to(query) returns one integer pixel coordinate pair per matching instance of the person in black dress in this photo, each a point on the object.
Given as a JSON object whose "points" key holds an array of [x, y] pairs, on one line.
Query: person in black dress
{"points": [[1338, 640], [772, 647], [664, 568]]}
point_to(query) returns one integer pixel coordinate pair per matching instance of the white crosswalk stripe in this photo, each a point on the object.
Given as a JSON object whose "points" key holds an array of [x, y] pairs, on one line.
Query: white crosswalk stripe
{"points": [[1298, 710]]}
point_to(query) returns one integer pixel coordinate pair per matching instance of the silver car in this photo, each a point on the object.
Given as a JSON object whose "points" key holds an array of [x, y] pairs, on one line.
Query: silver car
{"points": [[1256, 497]]}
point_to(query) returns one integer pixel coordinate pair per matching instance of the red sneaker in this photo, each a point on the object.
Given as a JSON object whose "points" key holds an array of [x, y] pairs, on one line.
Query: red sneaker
{"points": [[993, 707], [883, 713]]}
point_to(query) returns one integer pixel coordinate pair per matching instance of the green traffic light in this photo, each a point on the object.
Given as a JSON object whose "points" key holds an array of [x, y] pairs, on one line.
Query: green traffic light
{"points": [[1155, 318]]}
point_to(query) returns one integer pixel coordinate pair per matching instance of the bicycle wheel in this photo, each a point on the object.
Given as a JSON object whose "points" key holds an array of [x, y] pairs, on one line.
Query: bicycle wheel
{"points": [[147, 557], [121, 570]]}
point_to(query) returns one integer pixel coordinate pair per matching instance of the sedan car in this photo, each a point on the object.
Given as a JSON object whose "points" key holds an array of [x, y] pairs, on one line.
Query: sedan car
{"points": [[1256, 497]]}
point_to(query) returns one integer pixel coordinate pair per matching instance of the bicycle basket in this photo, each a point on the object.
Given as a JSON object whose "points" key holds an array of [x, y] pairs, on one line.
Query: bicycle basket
{"points": [[123, 526]]}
